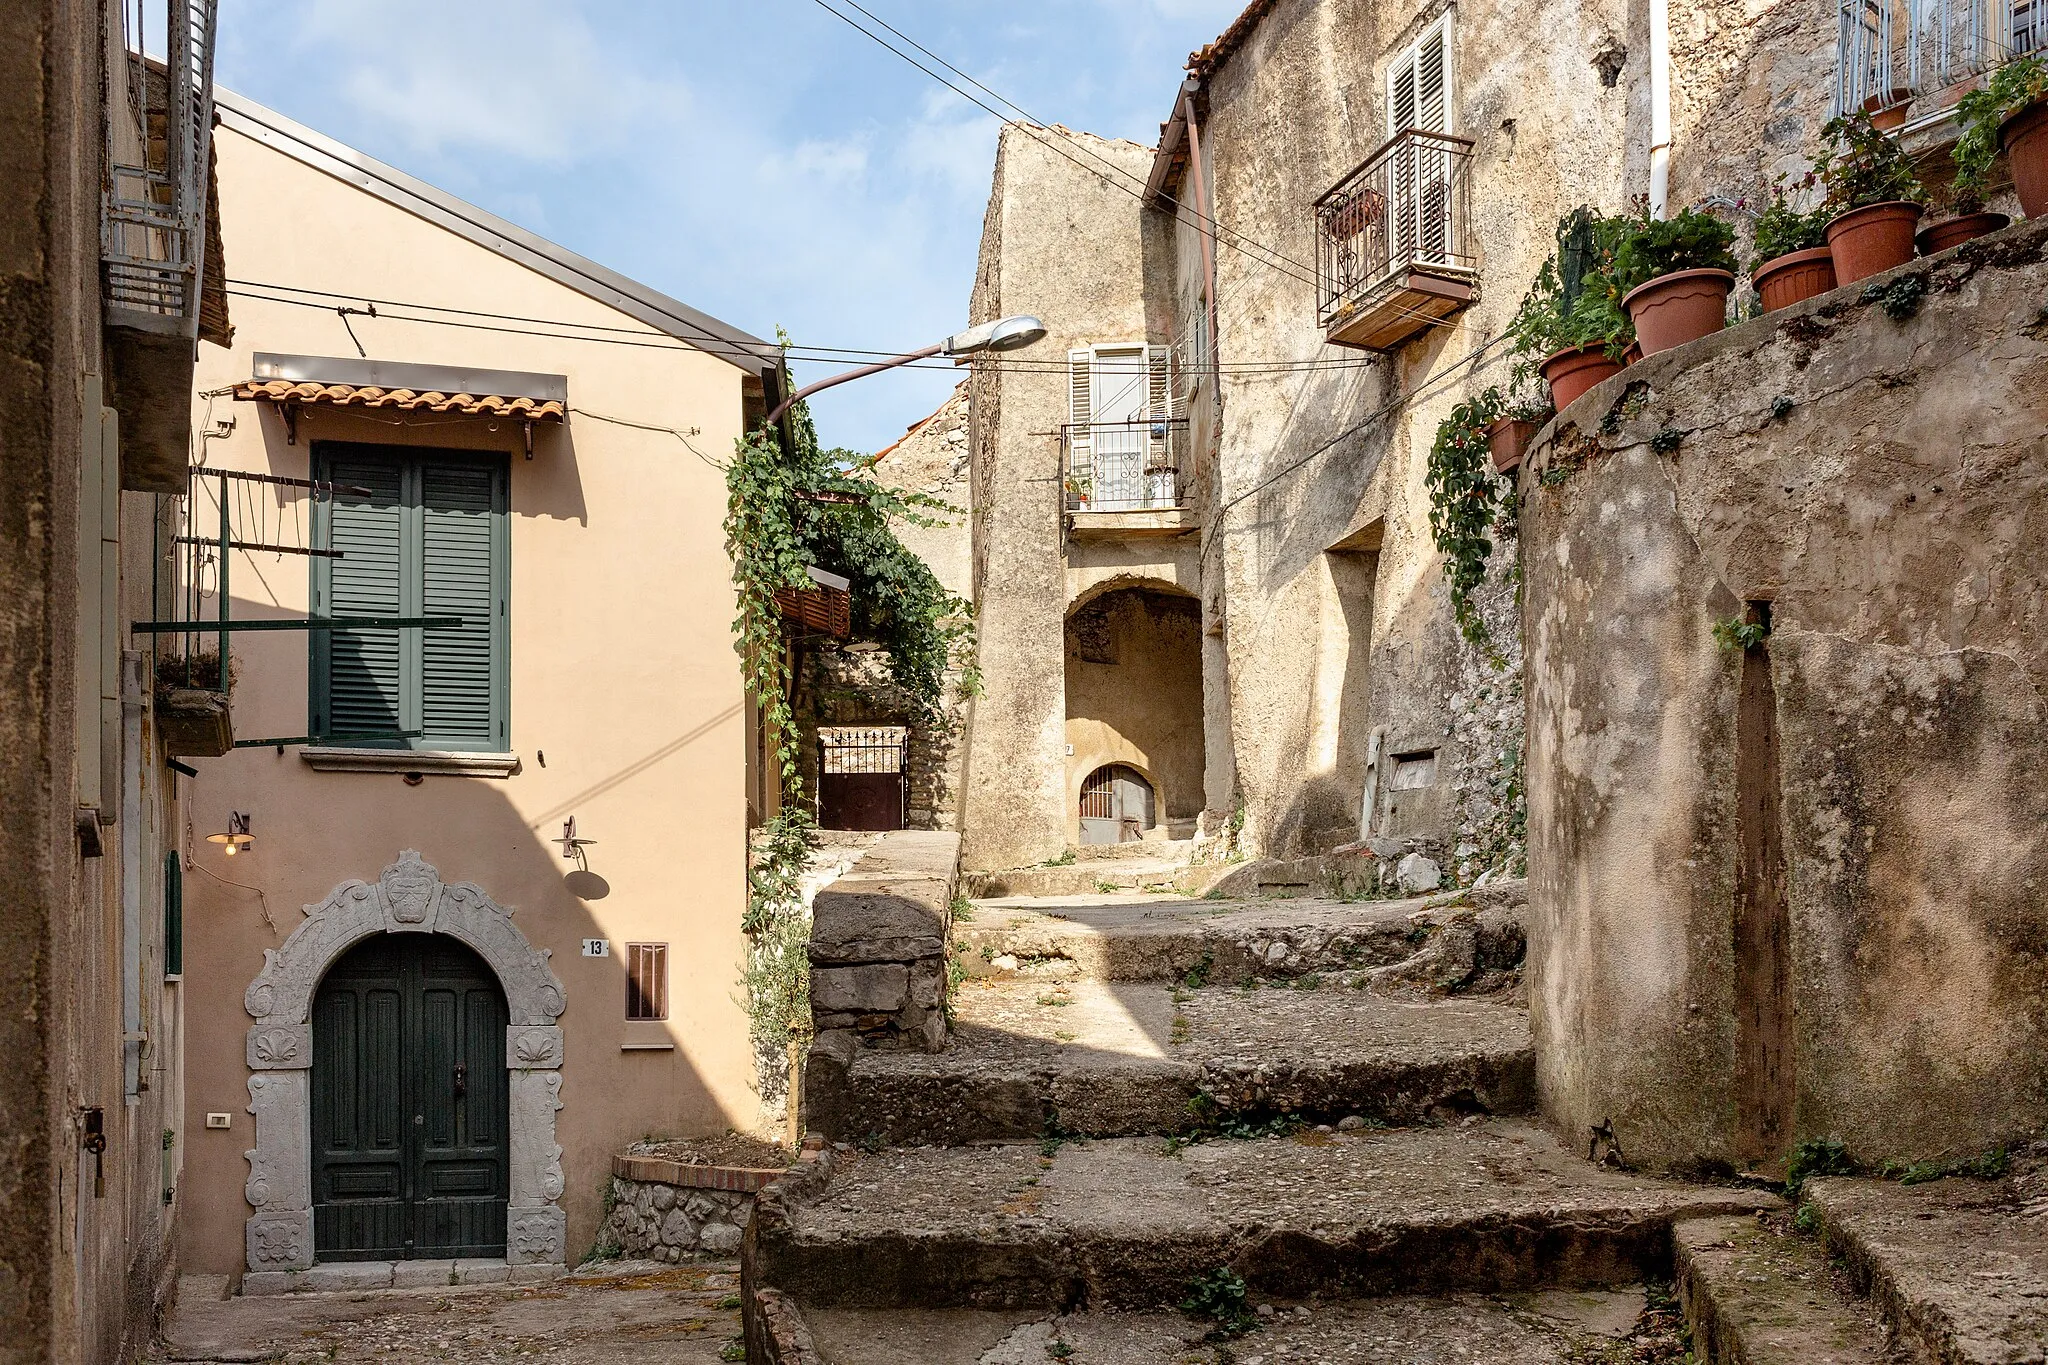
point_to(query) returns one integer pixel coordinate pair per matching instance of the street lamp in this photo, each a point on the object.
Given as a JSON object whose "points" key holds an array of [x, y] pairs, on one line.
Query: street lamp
{"points": [[1004, 334]]}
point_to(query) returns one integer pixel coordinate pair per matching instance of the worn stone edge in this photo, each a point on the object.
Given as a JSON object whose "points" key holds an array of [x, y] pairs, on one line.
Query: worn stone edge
{"points": [[1927, 1325], [663, 1171], [774, 1328]]}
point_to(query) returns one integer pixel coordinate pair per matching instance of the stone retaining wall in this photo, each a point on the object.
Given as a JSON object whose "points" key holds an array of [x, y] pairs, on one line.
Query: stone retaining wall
{"points": [[879, 939], [664, 1210]]}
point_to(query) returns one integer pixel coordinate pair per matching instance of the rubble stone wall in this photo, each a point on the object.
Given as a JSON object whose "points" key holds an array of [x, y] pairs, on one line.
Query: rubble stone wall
{"points": [[1799, 888]]}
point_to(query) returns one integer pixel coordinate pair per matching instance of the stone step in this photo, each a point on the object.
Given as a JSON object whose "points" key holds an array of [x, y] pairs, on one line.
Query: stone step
{"points": [[1758, 1293], [1531, 1329], [1451, 943], [1114, 1058], [1958, 1268], [1477, 1207], [1082, 879]]}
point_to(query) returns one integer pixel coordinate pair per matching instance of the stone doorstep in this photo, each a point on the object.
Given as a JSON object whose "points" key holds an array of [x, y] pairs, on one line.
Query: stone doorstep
{"points": [[351, 1277], [662, 1171]]}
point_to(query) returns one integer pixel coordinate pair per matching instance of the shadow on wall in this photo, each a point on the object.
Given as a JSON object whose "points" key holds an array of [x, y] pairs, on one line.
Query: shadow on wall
{"points": [[622, 1077], [1134, 696]]}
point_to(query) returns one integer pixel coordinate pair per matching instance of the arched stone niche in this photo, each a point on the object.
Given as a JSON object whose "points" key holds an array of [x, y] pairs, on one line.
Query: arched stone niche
{"points": [[409, 898]]}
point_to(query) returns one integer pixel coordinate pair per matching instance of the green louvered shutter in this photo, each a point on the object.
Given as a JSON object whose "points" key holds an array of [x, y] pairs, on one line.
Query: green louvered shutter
{"points": [[462, 535], [359, 684]]}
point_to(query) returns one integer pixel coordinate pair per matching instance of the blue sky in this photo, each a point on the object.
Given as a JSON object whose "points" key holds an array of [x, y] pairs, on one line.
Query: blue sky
{"points": [[756, 158]]}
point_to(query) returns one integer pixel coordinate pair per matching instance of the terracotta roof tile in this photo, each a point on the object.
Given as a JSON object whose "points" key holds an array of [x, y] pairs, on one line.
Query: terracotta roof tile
{"points": [[1211, 58], [370, 396]]}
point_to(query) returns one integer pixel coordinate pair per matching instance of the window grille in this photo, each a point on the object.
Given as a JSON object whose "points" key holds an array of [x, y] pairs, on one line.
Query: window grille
{"points": [[646, 981], [1891, 51], [862, 748]]}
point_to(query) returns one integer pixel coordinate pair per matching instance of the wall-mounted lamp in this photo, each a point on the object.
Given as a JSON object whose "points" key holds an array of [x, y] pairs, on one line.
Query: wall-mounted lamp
{"points": [[582, 883], [236, 837]]}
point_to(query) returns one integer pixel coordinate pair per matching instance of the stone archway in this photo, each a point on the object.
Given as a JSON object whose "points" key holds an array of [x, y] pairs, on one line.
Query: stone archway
{"points": [[409, 898]]}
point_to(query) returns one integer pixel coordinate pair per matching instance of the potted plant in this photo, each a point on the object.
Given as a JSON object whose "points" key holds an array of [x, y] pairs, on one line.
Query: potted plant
{"points": [[1962, 217], [1793, 262], [1873, 194], [191, 713], [1508, 434], [1887, 108], [2010, 111], [1570, 328], [1676, 274]]}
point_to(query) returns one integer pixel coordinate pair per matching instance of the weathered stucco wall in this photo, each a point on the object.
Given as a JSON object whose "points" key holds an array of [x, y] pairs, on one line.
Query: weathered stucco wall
{"points": [[1798, 890], [1320, 469], [1077, 250]]}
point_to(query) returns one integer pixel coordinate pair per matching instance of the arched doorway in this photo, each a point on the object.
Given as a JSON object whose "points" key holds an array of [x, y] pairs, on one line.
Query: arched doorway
{"points": [[1117, 805], [410, 1106]]}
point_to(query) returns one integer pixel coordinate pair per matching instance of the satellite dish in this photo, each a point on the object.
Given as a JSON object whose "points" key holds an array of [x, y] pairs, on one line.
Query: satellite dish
{"points": [[587, 885]]}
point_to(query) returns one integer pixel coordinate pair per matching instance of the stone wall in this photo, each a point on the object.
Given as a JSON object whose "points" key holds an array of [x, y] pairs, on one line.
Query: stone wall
{"points": [[1796, 889], [662, 1210], [879, 939]]}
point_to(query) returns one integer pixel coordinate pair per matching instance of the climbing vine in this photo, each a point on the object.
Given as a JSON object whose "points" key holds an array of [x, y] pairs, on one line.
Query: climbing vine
{"points": [[1469, 503], [791, 507]]}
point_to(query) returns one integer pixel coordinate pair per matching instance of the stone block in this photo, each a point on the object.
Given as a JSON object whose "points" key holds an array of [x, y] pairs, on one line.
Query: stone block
{"points": [[537, 1273], [881, 988], [663, 1197], [722, 1239], [422, 1274], [482, 1272], [677, 1230], [928, 983], [257, 1283], [279, 1047], [536, 1235], [279, 1240], [337, 1276]]}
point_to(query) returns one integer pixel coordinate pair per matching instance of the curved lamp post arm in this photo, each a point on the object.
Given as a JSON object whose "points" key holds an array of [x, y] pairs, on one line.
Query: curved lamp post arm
{"points": [[1004, 334], [862, 373]]}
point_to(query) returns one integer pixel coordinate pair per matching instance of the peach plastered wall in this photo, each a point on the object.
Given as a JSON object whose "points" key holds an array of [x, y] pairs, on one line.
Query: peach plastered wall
{"points": [[626, 708]]}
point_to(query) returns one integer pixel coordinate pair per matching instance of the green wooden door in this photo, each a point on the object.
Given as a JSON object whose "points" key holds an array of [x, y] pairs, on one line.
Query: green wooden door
{"points": [[409, 1104]]}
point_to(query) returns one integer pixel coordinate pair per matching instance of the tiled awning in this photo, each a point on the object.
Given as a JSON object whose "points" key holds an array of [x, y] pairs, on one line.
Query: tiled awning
{"points": [[338, 381]]}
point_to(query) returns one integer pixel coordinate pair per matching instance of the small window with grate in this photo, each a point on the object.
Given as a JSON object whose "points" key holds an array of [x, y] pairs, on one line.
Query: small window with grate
{"points": [[646, 981]]}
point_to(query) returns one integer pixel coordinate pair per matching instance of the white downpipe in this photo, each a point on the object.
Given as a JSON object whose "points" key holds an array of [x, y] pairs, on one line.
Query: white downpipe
{"points": [[1660, 107]]}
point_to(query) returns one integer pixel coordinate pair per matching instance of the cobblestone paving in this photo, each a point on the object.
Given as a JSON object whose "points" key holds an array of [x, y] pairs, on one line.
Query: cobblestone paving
{"points": [[610, 1314]]}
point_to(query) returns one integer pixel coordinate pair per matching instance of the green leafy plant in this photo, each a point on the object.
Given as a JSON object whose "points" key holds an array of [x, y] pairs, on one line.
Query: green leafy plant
{"points": [[1989, 1165], [1864, 165], [1573, 301], [1738, 634], [1818, 1156], [1807, 1220], [1219, 1296], [1782, 229], [1692, 239], [1464, 503], [2012, 87]]}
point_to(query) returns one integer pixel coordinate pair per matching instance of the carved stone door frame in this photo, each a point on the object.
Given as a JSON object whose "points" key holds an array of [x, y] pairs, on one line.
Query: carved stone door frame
{"points": [[408, 898]]}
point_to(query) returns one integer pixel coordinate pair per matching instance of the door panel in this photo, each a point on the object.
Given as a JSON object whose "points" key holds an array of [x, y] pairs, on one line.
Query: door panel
{"points": [[409, 1104]]}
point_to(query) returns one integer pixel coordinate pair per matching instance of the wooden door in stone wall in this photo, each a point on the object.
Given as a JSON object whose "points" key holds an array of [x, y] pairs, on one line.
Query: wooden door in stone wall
{"points": [[410, 1104]]}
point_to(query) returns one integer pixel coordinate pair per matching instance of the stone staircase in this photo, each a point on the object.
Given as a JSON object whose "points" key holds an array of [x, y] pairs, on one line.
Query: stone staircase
{"points": [[1332, 1102]]}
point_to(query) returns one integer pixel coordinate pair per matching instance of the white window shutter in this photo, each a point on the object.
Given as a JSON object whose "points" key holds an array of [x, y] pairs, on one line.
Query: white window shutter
{"points": [[1401, 94], [1080, 409], [1159, 381], [1419, 83]]}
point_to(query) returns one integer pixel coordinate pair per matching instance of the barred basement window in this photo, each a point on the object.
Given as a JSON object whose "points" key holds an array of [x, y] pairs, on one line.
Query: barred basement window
{"points": [[647, 981]]}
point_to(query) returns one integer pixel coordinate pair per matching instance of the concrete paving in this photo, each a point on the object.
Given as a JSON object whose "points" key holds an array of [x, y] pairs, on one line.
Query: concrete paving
{"points": [[619, 1313], [1533, 1329]]}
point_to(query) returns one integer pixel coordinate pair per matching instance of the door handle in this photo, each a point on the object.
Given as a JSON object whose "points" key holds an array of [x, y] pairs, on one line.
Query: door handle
{"points": [[461, 1080]]}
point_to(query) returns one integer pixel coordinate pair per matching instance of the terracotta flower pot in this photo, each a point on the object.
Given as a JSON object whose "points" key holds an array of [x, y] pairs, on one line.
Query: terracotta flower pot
{"points": [[1508, 438], [1680, 307], [1944, 233], [1887, 111], [1632, 354], [1794, 277], [1571, 372], [2025, 139], [1872, 239]]}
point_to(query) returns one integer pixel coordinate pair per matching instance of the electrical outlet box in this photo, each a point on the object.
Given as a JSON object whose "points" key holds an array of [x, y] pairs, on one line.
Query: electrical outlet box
{"points": [[219, 1120]]}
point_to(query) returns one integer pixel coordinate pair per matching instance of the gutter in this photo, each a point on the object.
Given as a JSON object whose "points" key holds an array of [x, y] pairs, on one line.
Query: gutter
{"points": [[1660, 108], [1172, 134]]}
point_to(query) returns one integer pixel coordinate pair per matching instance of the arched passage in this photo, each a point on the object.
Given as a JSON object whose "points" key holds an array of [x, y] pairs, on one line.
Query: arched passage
{"points": [[408, 898], [1134, 697]]}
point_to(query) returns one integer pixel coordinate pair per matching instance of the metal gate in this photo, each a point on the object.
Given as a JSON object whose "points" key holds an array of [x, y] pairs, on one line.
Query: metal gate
{"points": [[1116, 805], [863, 776]]}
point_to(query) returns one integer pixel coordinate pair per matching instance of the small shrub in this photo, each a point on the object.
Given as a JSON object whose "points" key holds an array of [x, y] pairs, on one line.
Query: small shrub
{"points": [[1864, 165], [1900, 299], [1667, 441], [1573, 301], [1807, 1221], [1219, 1296], [1818, 1156], [1782, 229], [1735, 633], [963, 910], [1692, 239], [1984, 1166], [2012, 87], [1197, 976]]}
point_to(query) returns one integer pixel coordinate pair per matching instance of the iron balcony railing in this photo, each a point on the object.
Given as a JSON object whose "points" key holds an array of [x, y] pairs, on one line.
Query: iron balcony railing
{"points": [[1892, 51], [1129, 466], [153, 217], [1404, 208]]}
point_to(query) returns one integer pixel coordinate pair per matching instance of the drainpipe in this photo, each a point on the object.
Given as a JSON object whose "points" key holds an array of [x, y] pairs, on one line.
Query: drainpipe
{"points": [[1207, 229], [1660, 107]]}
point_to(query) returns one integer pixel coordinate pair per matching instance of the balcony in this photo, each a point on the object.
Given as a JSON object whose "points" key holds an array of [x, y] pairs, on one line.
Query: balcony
{"points": [[1391, 252], [1124, 478], [1920, 55]]}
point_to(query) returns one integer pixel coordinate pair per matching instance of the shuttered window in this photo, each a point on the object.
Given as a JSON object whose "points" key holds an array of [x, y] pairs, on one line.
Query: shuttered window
{"points": [[1419, 83], [420, 533]]}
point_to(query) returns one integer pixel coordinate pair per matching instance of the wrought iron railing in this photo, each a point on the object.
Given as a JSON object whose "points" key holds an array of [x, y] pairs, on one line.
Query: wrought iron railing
{"points": [[1892, 51], [1131, 466], [1405, 207], [153, 218]]}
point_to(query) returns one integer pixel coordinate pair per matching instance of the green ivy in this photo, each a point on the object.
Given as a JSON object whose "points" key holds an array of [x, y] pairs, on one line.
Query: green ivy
{"points": [[1466, 500], [2012, 87]]}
